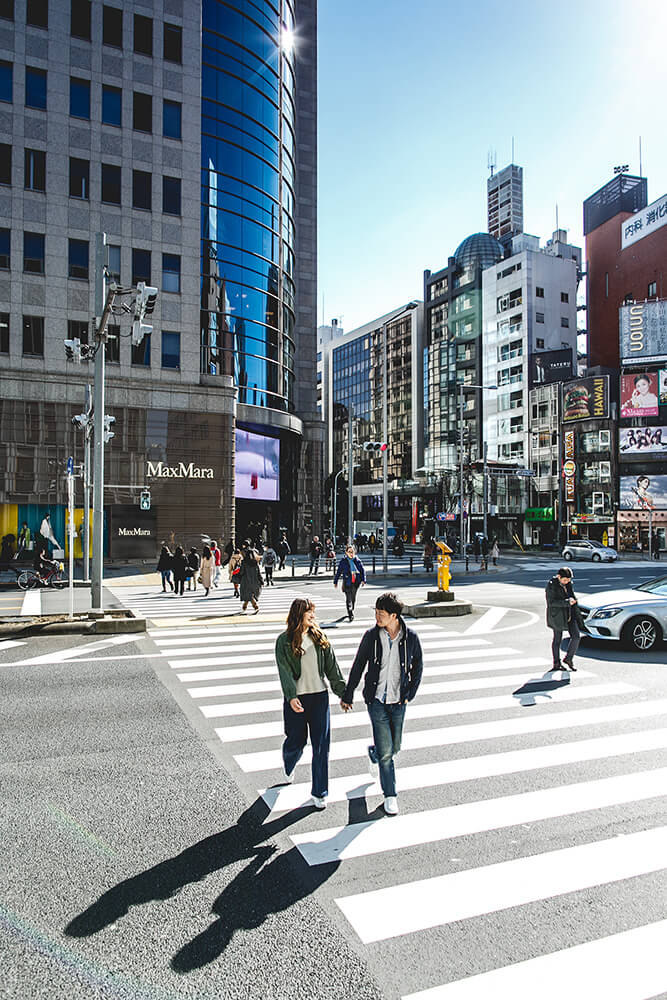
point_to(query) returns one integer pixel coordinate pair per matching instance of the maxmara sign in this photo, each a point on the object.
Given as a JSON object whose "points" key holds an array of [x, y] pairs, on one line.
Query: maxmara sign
{"points": [[159, 470], [123, 532]]}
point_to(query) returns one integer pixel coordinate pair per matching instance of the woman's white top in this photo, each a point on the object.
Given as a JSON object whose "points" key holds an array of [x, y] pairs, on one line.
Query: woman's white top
{"points": [[310, 681]]}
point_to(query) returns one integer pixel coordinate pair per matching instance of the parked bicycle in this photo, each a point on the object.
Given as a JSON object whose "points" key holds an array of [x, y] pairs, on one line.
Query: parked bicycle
{"points": [[53, 576]]}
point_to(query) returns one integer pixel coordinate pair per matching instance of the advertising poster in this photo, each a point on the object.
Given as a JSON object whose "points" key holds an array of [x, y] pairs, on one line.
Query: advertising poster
{"points": [[257, 466], [643, 441], [643, 331], [662, 387], [639, 395], [551, 366], [586, 398], [569, 467], [643, 492]]}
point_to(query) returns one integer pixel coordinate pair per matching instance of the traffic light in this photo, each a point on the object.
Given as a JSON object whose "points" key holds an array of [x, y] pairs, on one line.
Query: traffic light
{"points": [[81, 420], [144, 304], [73, 350], [375, 447], [145, 500], [108, 424]]}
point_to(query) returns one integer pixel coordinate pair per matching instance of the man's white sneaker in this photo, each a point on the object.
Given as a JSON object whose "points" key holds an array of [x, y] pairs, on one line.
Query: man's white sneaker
{"points": [[391, 805], [319, 803], [287, 778], [373, 767]]}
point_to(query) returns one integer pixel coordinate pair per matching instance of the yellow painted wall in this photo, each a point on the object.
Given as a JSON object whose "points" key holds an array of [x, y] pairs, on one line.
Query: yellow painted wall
{"points": [[9, 519], [78, 522]]}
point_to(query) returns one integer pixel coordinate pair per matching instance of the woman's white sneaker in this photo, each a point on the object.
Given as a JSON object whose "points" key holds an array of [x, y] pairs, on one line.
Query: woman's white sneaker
{"points": [[391, 805], [319, 803]]}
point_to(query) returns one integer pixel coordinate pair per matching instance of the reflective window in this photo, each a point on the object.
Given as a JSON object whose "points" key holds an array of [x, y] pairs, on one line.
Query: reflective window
{"points": [[79, 178], [143, 35], [33, 253], [4, 333], [112, 26], [111, 184], [142, 112], [171, 195], [80, 19], [141, 353], [171, 272], [172, 50], [35, 170], [141, 266], [37, 13], [171, 349], [141, 189], [112, 105], [113, 258], [35, 88], [7, 10], [79, 98], [5, 249], [78, 259], [6, 81], [112, 346], [171, 119], [33, 336]]}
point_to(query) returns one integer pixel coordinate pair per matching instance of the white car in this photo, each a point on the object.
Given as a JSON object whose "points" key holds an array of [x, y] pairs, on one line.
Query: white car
{"points": [[637, 617], [584, 548]]}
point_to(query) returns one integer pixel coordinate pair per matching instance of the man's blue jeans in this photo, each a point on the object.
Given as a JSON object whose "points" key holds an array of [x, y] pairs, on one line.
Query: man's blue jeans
{"points": [[387, 723], [315, 717]]}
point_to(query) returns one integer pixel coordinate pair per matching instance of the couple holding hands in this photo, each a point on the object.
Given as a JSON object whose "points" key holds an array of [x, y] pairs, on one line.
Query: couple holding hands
{"points": [[390, 654]]}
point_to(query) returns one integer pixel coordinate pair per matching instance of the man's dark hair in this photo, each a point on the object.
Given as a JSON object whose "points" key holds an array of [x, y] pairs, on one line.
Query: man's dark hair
{"points": [[565, 571], [390, 603]]}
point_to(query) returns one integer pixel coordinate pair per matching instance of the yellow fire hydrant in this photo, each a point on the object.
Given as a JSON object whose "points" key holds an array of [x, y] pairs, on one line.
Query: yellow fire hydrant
{"points": [[444, 560]]}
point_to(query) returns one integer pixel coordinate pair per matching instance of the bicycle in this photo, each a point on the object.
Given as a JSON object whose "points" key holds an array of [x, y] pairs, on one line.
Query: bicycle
{"points": [[29, 579]]}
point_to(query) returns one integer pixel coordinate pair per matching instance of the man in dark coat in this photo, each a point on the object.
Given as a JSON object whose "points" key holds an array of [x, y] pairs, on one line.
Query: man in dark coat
{"points": [[561, 616]]}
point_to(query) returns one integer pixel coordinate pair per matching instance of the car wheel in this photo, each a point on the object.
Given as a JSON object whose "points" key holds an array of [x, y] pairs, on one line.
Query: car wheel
{"points": [[641, 633], [567, 556], [596, 557]]}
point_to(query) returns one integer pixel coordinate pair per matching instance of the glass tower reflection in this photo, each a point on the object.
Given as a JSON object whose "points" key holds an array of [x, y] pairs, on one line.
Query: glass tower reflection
{"points": [[247, 198]]}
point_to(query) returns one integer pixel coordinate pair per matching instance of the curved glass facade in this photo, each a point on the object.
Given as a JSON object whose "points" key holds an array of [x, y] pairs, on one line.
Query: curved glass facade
{"points": [[247, 198]]}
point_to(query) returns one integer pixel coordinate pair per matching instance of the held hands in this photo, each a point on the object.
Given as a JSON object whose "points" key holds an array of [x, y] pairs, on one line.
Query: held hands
{"points": [[296, 705], [344, 705], [572, 600]]}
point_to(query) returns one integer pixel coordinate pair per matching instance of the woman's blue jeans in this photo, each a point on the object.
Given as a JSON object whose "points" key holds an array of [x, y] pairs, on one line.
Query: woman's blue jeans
{"points": [[314, 718], [387, 723]]}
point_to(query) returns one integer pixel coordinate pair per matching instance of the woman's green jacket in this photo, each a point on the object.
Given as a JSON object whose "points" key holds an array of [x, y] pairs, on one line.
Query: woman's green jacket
{"points": [[289, 667]]}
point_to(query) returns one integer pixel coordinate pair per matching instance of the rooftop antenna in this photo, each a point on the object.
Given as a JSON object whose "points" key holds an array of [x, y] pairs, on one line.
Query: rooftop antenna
{"points": [[491, 160], [640, 156], [556, 216], [512, 149]]}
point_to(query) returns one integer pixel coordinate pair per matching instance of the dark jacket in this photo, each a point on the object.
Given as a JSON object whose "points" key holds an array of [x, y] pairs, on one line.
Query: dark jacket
{"points": [[289, 667], [250, 578], [166, 561], [194, 561], [370, 654], [316, 549], [343, 569], [180, 566], [559, 608]]}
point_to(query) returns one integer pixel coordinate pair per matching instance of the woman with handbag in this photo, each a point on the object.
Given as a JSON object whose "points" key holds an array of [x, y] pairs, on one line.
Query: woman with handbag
{"points": [[207, 569], [234, 564], [305, 658]]}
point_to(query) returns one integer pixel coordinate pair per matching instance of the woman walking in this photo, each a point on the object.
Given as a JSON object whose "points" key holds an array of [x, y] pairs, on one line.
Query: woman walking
{"points": [[207, 569], [269, 560], [164, 567], [250, 578], [180, 569], [234, 564], [305, 657], [353, 573], [193, 565], [563, 614]]}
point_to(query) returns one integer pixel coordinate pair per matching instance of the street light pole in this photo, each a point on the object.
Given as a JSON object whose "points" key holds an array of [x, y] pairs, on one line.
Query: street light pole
{"points": [[350, 471], [335, 503], [462, 385]]}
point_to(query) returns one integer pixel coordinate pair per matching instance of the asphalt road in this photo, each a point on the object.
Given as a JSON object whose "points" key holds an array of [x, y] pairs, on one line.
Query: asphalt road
{"points": [[148, 851]]}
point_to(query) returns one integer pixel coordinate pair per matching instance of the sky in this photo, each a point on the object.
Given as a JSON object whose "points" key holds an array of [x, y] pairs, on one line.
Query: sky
{"points": [[414, 95]]}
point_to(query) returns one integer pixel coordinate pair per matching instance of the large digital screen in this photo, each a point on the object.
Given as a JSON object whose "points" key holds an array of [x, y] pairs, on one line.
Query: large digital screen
{"points": [[257, 466], [639, 395], [643, 440], [644, 492]]}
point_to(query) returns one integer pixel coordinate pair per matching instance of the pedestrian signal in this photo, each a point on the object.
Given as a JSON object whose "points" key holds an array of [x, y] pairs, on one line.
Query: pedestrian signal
{"points": [[145, 500]]}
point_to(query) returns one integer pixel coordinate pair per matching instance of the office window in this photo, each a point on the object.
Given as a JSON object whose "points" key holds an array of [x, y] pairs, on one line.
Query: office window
{"points": [[77, 329], [142, 112], [112, 26], [171, 119], [5, 163], [539, 343], [141, 353], [564, 321], [4, 333], [112, 106], [79, 178], [110, 184], [539, 317], [5, 249], [78, 259], [141, 266], [172, 50], [6, 81], [112, 346], [79, 98], [141, 189], [35, 88], [539, 292], [652, 290], [171, 349], [113, 251], [171, 195], [37, 13], [606, 284], [564, 297], [33, 336], [80, 19], [143, 35], [7, 9], [33, 253], [34, 177], [171, 272]]}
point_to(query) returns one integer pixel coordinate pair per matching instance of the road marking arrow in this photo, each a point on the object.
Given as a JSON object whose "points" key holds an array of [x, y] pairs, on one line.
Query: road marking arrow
{"points": [[65, 655]]}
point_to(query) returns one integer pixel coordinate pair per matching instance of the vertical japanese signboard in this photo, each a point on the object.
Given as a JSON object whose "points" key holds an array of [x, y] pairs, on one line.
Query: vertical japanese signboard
{"points": [[569, 467]]}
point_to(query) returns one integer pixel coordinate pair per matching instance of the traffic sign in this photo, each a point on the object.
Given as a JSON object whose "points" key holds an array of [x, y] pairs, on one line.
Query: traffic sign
{"points": [[70, 466]]}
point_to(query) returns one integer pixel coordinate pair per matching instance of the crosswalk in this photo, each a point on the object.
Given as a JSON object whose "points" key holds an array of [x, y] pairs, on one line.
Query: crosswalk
{"points": [[154, 605], [494, 744]]}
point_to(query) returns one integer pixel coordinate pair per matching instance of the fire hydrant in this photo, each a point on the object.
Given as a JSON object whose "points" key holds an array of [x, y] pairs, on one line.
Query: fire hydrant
{"points": [[444, 560]]}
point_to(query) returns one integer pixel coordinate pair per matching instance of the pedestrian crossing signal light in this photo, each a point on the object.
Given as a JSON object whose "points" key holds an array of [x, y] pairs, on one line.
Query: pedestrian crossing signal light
{"points": [[375, 447], [145, 500]]}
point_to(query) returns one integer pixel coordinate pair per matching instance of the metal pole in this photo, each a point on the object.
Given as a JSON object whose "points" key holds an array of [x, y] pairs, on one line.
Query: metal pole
{"points": [[650, 534], [350, 471], [385, 490], [335, 503], [484, 491], [559, 468], [98, 418], [70, 534], [86, 489], [463, 544]]}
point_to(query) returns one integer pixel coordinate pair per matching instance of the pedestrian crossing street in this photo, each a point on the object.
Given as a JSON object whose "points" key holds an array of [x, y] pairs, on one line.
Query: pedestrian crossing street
{"points": [[151, 603], [491, 743]]}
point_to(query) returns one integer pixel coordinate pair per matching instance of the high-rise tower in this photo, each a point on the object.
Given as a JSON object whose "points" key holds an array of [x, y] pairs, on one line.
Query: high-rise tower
{"points": [[505, 202]]}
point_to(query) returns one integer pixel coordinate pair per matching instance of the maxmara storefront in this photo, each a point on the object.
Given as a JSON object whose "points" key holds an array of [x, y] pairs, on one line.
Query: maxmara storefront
{"points": [[209, 474]]}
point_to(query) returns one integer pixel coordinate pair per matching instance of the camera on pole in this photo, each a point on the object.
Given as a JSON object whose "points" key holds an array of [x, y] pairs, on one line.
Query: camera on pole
{"points": [[144, 304], [375, 447], [145, 500], [81, 420], [108, 424]]}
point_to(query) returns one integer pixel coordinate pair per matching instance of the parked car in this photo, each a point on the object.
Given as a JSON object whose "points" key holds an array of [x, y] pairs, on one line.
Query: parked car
{"points": [[584, 548], [637, 617]]}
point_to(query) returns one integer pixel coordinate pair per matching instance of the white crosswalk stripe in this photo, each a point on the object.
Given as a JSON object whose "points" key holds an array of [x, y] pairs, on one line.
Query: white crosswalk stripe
{"points": [[153, 604], [541, 749]]}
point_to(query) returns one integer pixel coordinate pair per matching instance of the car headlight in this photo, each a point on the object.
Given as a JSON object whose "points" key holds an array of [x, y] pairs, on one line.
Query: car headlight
{"points": [[606, 612]]}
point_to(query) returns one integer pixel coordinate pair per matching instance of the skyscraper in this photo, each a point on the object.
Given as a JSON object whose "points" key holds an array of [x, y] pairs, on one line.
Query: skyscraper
{"points": [[177, 136], [504, 193]]}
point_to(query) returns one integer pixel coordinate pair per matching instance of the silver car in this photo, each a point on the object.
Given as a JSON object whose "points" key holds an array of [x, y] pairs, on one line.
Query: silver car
{"points": [[584, 548], [636, 617]]}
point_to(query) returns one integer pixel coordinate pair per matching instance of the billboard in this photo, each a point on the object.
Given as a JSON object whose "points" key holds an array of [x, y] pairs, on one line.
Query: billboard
{"points": [[662, 387], [586, 399], [639, 395], [257, 466], [550, 366], [643, 492], [644, 223], [643, 331], [569, 467], [643, 441]]}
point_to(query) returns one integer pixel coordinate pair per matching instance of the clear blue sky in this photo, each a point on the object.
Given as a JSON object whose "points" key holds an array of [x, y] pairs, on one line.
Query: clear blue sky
{"points": [[412, 95]]}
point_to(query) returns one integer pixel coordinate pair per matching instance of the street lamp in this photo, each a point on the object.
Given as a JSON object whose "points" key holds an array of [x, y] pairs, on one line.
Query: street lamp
{"points": [[335, 498], [385, 429], [467, 385]]}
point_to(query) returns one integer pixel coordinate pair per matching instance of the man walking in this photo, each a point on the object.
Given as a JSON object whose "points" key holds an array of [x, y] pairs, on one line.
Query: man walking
{"points": [[315, 552], [562, 613], [391, 655]]}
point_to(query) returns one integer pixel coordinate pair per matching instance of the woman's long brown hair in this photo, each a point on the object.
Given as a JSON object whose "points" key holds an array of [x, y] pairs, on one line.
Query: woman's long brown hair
{"points": [[298, 609]]}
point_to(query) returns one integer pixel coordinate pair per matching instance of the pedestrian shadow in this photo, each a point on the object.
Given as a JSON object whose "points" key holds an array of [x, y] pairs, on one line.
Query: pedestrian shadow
{"points": [[529, 692]]}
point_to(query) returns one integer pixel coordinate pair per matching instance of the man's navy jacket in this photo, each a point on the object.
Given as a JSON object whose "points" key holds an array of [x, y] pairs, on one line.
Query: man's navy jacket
{"points": [[370, 654]]}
